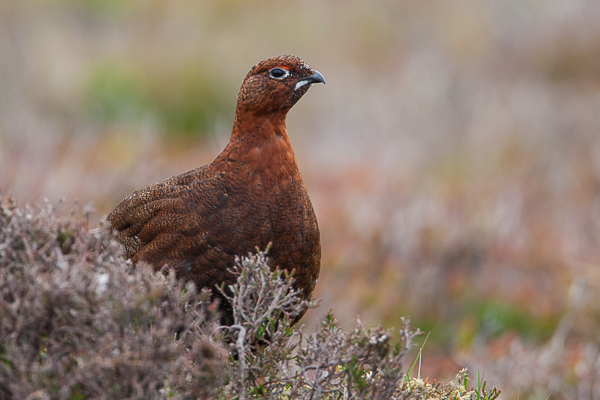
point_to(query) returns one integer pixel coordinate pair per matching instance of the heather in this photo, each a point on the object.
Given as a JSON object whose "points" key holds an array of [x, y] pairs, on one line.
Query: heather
{"points": [[78, 322]]}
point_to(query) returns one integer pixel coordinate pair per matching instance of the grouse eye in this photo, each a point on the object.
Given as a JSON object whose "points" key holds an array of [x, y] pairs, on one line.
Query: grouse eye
{"points": [[278, 73]]}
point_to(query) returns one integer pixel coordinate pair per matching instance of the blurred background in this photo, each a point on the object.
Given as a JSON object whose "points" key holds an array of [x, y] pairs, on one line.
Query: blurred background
{"points": [[453, 158]]}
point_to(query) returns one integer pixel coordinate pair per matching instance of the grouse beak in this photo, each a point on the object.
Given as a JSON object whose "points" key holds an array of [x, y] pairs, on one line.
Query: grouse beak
{"points": [[317, 77]]}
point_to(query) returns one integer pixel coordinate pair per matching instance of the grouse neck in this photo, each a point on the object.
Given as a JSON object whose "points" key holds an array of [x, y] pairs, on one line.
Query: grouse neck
{"points": [[261, 143], [258, 124]]}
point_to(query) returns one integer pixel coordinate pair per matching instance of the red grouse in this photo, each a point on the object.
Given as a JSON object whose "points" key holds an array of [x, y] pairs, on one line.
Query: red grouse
{"points": [[250, 195]]}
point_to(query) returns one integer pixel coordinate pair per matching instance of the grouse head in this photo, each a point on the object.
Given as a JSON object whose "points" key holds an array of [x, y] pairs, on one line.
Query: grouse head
{"points": [[275, 85]]}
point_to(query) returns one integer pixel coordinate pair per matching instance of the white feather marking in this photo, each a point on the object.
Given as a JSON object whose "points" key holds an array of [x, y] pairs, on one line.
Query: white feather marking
{"points": [[300, 84]]}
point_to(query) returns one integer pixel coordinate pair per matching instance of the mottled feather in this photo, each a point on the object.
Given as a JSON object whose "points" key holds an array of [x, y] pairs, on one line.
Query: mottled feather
{"points": [[252, 194]]}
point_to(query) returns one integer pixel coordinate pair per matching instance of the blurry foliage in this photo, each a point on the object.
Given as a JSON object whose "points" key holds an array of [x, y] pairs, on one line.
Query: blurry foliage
{"points": [[571, 61], [453, 157], [484, 321], [103, 8], [118, 95], [179, 103], [494, 318]]}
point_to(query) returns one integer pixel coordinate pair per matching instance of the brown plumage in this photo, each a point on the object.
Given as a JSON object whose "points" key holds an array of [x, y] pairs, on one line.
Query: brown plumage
{"points": [[250, 195]]}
